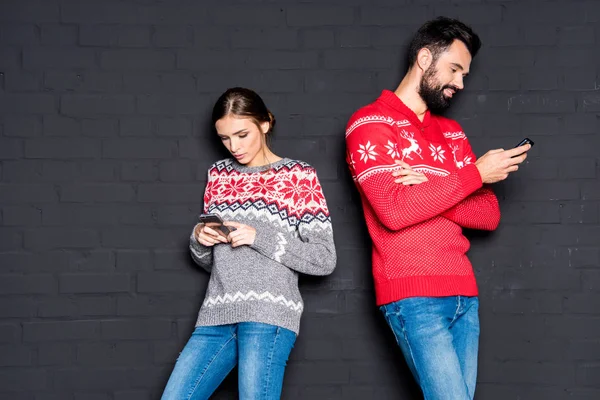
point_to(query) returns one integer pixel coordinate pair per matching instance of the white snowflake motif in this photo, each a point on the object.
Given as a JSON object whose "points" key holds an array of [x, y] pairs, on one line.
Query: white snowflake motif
{"points": [[367, 152], [352, 162], [392, 149], [437, 153], [467, 160]]}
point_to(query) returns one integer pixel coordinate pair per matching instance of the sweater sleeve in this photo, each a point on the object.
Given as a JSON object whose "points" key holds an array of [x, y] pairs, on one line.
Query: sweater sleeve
{"points": [[372, 149], [312, 250], [203, 255], [480, 210]]}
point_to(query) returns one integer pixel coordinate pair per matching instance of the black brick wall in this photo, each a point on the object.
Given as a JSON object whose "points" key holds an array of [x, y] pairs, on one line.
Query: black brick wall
{"points": [[104, 144]]}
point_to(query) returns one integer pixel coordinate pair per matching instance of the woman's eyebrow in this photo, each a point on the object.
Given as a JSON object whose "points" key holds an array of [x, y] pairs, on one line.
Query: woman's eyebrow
{"points": [[236, 133]]}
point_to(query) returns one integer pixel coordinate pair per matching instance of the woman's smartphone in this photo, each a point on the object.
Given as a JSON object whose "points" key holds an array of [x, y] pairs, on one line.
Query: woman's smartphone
{"points": [[215, 222]]}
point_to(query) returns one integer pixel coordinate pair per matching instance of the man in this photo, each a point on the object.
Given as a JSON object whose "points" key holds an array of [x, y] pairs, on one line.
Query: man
{"points": [[420, 185]]}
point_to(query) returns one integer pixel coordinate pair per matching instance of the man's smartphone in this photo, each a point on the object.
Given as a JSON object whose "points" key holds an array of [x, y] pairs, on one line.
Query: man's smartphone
{"points": [[524, 142], [215, 222]]}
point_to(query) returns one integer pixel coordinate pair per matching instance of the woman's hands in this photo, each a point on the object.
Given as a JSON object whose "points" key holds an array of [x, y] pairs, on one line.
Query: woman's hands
{"points": [[207, 236], [242, 235]]}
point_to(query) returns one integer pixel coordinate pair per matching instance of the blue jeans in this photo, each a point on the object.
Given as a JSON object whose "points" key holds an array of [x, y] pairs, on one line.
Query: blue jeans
{"points": [[261, 350], [439, 337]]}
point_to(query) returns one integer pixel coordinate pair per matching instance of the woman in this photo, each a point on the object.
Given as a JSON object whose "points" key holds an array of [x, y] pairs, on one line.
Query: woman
{"points": [[280, 228]]}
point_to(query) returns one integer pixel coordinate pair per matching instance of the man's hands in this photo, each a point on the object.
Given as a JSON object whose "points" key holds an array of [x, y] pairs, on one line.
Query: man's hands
{"points": [[495, 165], [407, 176], [243, 235]]}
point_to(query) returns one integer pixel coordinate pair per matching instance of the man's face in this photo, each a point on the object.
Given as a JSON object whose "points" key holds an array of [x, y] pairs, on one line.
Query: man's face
{"points": [[444, 77]]}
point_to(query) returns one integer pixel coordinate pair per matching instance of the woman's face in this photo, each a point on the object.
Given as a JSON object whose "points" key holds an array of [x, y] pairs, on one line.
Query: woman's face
{"points": [[244, 140]]}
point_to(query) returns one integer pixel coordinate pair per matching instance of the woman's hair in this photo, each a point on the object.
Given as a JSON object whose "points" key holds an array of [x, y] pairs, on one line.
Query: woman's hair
{"points": [[243, 102], [438, 34]]}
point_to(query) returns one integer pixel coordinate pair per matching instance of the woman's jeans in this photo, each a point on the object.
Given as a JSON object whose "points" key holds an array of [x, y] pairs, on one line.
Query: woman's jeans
{"points": [[439, 337], [261, 350]]}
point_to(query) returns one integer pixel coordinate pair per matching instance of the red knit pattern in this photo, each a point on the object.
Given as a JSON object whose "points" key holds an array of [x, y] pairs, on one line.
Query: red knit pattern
{"points": [[292, 191], [418, 245]]}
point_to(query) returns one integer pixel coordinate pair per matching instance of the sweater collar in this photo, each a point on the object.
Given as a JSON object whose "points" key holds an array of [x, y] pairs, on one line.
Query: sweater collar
{"points": [[260, 168], [390, 98]]}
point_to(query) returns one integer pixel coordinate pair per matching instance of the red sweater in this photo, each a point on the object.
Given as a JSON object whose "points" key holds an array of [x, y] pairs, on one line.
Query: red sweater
{"points": [[418, 245]]}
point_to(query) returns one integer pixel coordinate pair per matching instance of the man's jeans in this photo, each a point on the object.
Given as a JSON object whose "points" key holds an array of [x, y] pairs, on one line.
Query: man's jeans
{"points": [[439, 337], [261, 350]]}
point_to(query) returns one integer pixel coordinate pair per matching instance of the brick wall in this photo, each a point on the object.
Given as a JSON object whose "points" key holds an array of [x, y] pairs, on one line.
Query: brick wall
{"points": [[104, 144]]}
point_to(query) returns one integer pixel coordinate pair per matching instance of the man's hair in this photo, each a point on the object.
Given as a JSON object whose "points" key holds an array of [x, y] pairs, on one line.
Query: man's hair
{"points": [[438, 34]]}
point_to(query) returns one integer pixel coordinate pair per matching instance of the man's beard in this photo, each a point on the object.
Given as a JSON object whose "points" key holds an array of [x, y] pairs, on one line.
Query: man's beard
{"points": [[432, 93]]}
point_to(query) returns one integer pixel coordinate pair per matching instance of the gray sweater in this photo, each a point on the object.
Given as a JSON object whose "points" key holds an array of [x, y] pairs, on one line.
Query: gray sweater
{"points": [[284, 202]]}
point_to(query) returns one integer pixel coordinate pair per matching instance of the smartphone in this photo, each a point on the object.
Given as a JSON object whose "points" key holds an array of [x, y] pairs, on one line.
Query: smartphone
{"points": [[525, 141], [215, 222]]}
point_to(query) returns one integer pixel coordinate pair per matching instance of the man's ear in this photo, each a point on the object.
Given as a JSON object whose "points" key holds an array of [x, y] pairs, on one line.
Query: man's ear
{"points": [[424, 59]]}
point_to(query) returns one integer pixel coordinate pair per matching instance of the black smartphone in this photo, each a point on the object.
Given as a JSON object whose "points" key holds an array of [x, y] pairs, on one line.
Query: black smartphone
{"points": [[525, 141], [215, 222]]}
